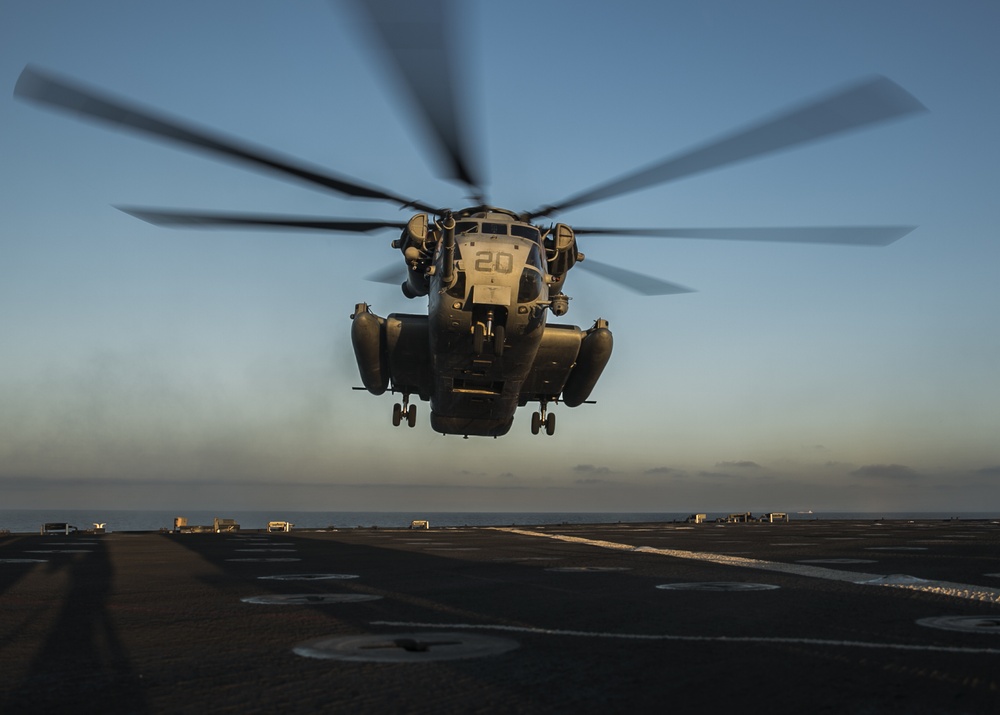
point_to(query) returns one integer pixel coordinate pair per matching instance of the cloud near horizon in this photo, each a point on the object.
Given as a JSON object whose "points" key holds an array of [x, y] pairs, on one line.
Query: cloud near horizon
{"points": [[666, 472], [592, 482], [720, 475], [591, 469], [892, 472]]}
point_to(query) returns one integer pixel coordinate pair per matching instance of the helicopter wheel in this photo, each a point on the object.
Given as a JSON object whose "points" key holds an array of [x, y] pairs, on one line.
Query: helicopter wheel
{"points": [[550, 424], [411, 416], [499, 335], [536, 422], [478, 338], [397, 414]]}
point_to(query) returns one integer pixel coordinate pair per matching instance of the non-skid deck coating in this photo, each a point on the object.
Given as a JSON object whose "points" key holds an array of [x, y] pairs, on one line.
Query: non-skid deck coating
{"points": [[809, 616]]}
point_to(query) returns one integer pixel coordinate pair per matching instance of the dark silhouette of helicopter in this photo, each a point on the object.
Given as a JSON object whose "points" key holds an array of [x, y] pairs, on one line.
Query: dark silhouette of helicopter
{"points": [[491, 275]]}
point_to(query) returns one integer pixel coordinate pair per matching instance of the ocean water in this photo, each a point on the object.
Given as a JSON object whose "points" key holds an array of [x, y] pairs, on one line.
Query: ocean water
{"points": [[30, 520]]}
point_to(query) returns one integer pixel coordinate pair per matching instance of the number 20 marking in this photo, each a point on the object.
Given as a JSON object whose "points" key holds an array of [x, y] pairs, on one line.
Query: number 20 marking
{"points": [[499, 262]]}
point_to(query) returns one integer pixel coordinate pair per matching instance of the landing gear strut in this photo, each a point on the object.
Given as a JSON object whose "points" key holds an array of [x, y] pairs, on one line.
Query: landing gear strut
{"points": [[490, 330], [399, 411], [543, 417]]}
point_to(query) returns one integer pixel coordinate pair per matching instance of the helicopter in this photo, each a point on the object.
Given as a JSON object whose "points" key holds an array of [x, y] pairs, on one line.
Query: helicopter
{"points": [[491, 276]]}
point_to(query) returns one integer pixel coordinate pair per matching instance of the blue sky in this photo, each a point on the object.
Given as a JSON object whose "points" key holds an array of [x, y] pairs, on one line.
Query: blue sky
{"points": [[146, 368]]}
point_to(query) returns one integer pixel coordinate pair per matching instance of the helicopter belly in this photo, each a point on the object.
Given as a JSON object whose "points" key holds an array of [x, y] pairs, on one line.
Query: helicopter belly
{"points": [[472, 390], [477, 393], [476, 425]]}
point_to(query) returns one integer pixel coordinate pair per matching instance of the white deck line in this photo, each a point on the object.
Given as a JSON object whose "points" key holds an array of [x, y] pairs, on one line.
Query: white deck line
{"points": [[943, 588]]}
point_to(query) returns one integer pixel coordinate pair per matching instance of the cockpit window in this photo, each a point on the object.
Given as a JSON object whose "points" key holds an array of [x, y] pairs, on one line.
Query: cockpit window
{"points": [[529, 232], [467, 227], [535, 258], [530, 285], [498, 229]]}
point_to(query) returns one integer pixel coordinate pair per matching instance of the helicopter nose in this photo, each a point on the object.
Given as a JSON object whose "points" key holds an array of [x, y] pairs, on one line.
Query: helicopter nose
{"points": [[490, 294]]}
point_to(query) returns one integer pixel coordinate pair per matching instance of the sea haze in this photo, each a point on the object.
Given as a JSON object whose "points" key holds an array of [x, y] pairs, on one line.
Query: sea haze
{"points": [[30, 520]]}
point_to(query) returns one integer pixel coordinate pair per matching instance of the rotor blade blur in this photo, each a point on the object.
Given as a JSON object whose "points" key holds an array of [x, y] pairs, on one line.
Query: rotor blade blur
{"points": [[841, 235], [870, 102], [391, 275], [70, 96], [635, 282], [418, 40], [198, 219]]}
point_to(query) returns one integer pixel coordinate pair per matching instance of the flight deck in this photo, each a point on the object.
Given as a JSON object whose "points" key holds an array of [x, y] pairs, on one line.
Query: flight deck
{"points": [[817, 616]]}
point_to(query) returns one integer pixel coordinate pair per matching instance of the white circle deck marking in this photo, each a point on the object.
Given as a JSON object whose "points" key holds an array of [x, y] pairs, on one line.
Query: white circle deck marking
{"points": [[309, 599], [405, 647], [587, 569], [24, 561], [965, 624], [308, 576], [719, 586]]}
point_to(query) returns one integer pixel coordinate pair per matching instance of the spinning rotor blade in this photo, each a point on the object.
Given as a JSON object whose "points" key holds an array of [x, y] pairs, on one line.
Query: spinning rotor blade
{"points": [[635, 282], [870, 102], [197, 219], [391, 275], [842, 235], [418, 38], [69, 96]]}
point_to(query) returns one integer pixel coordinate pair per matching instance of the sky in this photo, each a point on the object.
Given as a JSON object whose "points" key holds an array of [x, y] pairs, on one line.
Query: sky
{"points": [[145, 368]]}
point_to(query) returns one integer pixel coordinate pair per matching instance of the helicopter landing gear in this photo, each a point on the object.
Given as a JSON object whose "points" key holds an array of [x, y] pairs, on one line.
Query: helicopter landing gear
{"points": [[478, 338], [405, 410], [543, 418], [490, 330]]}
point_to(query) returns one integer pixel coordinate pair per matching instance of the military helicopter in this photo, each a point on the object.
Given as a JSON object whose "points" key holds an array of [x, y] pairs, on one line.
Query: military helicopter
{"points": [[491, 275]]}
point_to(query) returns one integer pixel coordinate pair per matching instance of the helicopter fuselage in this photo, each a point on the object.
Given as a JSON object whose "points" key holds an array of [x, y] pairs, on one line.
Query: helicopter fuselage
{"points": [[485, 347]]}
